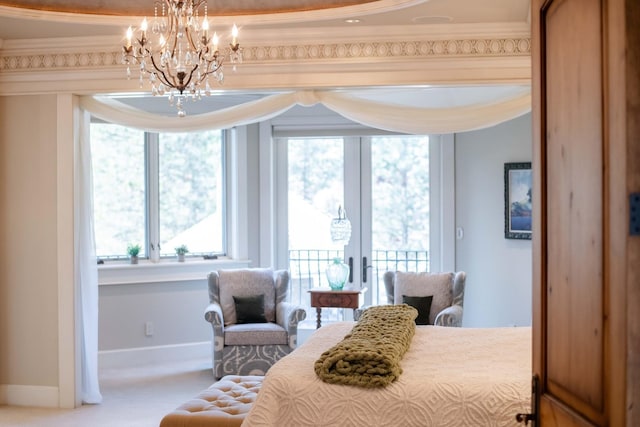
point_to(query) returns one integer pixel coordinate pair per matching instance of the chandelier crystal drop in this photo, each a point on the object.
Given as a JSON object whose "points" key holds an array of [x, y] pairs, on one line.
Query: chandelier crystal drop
{"points": [[178, 55]]}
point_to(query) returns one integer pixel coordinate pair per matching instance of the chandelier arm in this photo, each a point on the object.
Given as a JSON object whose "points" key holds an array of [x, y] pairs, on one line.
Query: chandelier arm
{"points": [[190, 40], [206, 73], [172, 31], [202, 56], [144, 50], [195, 67], [136, 53], [162, 76]]}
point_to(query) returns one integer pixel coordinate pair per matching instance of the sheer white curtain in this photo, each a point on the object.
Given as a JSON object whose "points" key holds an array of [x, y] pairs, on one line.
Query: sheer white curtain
{"points": [[391, 116], [86, 269]]}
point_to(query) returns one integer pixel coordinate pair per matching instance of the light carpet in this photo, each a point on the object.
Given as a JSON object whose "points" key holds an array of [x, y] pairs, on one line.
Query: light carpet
{"points": [[132, 397]]}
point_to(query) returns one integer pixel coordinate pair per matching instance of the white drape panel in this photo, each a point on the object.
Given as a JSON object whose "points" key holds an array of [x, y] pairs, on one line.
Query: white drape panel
{"points": [[424, 121], [386, 116], [86, 269], [117, 112]]}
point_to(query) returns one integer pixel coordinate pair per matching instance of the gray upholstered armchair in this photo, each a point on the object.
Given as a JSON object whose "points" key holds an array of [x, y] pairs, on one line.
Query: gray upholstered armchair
{"points": [[445, 289], [253, 324]]}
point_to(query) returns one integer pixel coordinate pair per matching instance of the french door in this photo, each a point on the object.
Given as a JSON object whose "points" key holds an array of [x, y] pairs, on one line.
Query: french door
{"points": [[383, 185]]}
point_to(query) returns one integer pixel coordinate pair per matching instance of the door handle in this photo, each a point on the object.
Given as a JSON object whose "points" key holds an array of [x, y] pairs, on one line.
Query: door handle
{"points": [[364, 269], [350, 269]]}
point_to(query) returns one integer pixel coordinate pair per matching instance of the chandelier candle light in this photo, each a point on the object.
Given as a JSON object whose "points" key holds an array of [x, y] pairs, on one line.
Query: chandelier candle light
{"points": [[180, 55]]}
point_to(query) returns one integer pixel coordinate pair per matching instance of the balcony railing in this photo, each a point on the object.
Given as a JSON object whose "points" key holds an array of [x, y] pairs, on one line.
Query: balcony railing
{"points": [[306, 267]]}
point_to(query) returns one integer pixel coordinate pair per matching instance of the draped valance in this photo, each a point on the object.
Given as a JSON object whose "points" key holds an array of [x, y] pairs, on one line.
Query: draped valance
{"points": [[389, 115]]}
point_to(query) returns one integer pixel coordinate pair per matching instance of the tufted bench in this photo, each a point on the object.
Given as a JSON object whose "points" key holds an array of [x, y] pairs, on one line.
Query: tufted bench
{"points": [[224, 404]]}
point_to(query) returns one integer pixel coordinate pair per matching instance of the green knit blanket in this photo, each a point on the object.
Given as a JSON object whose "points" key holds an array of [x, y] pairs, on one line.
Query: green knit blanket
{"points": [[369, 356]]}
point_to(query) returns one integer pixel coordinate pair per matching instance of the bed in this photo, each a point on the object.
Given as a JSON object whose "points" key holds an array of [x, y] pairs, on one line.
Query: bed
{"points": [[451, 377]]}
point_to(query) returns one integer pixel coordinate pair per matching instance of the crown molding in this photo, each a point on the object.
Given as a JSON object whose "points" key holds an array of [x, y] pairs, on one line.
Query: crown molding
{"points": [[445, 53], [359, 52], [442, 41], [287, 76]]}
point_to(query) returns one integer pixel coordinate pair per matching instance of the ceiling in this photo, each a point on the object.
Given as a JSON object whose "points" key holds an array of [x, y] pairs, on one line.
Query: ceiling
{"points": [[27, 19], [32, 19], [228, 7]]}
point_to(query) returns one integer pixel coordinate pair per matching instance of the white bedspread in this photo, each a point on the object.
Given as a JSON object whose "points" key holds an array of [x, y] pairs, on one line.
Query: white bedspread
{"points": [[451, 377]]}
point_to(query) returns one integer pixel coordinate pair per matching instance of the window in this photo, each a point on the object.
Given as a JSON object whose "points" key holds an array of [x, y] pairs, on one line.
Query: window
{"points": [[157, 190], [384, 184]]}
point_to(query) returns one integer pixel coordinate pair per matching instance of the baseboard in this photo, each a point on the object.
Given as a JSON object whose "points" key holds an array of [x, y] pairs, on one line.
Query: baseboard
{"points": [[140, 356], [29, 395]]}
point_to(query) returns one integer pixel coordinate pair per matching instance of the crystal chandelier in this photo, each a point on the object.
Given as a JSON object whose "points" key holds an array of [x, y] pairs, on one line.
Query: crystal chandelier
{"points": [[180, 56]]}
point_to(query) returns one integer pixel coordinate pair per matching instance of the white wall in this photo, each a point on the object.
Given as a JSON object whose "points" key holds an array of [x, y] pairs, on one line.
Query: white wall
{"points": [[498, 287], [175, 310], [171, 296], [28, 246]]}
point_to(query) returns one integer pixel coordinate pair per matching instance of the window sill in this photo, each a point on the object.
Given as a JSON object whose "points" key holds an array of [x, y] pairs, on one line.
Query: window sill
{"points": [[117, 273]]}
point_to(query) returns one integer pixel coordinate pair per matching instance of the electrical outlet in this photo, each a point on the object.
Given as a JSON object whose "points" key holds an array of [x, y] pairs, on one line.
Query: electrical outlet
{"points": [[148, 329]]}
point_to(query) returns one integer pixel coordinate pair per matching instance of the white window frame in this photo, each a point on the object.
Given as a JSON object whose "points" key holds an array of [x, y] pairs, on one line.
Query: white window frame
{"points": [[442, 196], [235, 219]]}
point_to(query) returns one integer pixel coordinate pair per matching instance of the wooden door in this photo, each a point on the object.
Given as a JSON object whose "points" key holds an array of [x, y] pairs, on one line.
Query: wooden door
{"points": [[586, 133]]}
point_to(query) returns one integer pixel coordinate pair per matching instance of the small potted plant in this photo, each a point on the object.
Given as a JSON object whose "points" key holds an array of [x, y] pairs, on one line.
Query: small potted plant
{"points": [[133, 251], [181, 251]]}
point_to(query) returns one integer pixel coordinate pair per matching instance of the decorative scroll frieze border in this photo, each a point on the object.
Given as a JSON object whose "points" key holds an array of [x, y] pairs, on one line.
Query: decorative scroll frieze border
{"points": [[57, 61], [507, 47], [328, 52]]}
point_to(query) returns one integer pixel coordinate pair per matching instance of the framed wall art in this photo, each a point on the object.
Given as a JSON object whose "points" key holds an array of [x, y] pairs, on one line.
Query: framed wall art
{"points": [[518, 184]]}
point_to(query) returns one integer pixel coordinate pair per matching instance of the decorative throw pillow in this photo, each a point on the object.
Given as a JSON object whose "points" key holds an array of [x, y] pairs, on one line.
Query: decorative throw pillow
{"points": [[250, 309], [246, 282], [422, 284], [422, 304]]}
